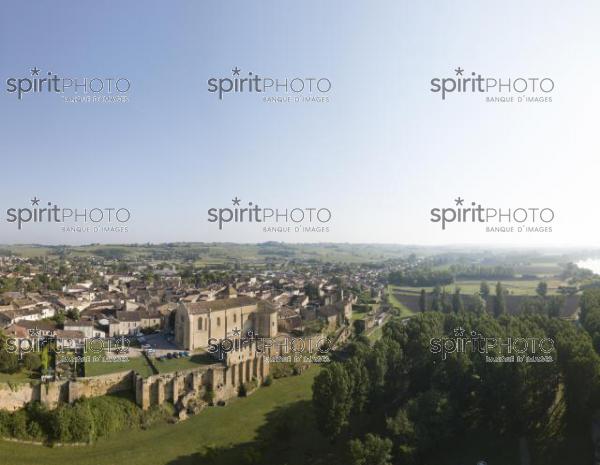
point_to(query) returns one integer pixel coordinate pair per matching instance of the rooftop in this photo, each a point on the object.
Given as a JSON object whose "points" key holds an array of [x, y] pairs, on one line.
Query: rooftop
{"points": [[221, 304]]}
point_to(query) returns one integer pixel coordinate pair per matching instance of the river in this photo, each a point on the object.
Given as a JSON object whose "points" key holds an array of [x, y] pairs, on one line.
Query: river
{"points": [[591, 264]]}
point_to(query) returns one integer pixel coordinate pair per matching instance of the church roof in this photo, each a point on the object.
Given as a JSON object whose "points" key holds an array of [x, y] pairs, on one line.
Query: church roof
{"points": [[195, 308]]}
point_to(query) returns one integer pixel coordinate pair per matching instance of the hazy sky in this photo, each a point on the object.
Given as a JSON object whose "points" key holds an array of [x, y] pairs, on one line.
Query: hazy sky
{"points": [[380, 154]]}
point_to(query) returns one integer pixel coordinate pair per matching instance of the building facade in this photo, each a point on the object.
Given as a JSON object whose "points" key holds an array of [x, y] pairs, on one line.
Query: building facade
{"points": [[198, 322]]}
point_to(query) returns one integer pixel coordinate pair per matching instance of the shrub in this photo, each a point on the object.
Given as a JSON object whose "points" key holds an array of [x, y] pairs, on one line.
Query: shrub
{"points": [[209, 395], [9, 363], [268, 380], [5, 423], [156, 414], [18, 425], [32, 361], [252, 456], [242, 390], [83, 421]]}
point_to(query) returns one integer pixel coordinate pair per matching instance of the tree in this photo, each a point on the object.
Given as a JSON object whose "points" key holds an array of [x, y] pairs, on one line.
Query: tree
{"points": [[45, 358], [444, 302], [377, 367], [73, 314], [59, 317], [499, 300], [542, 289], [457, 303], [374, 450], [332, 399], [477, 305], [435, 302], [423, 301], [32, 361], [554, 305], [400, 426], [484, 290], [359, 382], [9, 362], [433, 417]]}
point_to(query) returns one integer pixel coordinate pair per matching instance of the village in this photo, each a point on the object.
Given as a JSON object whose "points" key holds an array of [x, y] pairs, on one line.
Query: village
{"points": [[98, 311]]}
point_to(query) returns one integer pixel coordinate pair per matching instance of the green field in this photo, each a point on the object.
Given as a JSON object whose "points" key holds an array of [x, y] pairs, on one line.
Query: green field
{"points": [[395, 303], [513, 286], [184, 363], [541, 268], [206, 254], [231, 427], [138, 364], [359, 312]]}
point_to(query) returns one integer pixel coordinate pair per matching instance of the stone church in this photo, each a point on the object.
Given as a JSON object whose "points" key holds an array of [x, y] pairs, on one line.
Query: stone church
{"points": [[197, 322]]}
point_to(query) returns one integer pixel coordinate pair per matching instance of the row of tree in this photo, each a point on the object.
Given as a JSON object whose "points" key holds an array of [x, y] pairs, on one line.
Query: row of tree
{"points": [[439, 301]]}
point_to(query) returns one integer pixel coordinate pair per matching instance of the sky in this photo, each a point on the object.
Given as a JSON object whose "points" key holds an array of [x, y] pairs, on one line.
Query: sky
{"points": [[380, 154]]}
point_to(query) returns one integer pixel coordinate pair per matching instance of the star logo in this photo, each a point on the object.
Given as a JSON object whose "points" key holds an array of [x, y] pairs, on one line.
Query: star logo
{"points": [[236, 331], [123, 347], [459, 71], [459, 332], [236, 201], [459, 201], [236, 71], [35, 71], [35, 332], [35, 201]]}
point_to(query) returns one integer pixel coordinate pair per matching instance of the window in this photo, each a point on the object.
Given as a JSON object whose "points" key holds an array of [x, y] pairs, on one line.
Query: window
{"points": [[234, 318], [218, 321], [200, 324]]}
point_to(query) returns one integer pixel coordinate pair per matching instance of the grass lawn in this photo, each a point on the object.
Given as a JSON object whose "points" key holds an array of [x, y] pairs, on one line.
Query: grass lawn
{"points": [[375, 334], [23, 376], [359, 315], [139, 364], [184, 363], [229, 427], [394, 302]]}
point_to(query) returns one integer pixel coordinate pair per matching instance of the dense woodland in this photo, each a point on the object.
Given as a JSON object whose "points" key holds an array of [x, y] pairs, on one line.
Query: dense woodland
{"points": [[396, 402]]}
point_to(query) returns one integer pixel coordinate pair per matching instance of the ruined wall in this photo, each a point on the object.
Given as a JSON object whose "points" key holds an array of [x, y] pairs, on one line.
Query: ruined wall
{"points": [[100, 385], [52, 393], [153, 390], [224, 381], [157, 389], [15, 396]]}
